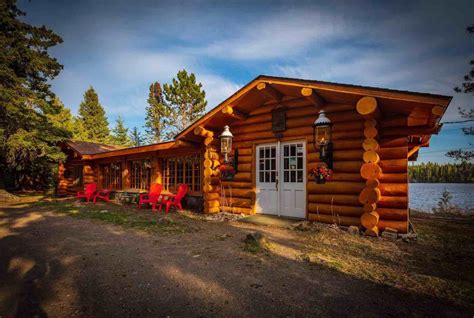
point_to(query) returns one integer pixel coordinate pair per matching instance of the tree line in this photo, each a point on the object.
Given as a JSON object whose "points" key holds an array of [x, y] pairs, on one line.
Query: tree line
{"points": [[441, 173], [34, 121]]}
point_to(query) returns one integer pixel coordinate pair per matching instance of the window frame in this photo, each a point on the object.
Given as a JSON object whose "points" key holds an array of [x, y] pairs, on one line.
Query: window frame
{"points": [[175, 171]]}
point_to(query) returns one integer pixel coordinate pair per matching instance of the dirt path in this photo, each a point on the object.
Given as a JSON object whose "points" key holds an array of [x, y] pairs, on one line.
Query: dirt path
{"points": [[54, 265]]}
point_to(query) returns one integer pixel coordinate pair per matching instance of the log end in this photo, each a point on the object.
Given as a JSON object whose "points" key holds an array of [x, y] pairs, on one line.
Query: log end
{"points": [[366, 105]]}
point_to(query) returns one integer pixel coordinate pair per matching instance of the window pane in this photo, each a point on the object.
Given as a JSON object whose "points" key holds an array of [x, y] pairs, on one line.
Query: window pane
{"points": [[300, 176], [262, 164], [300, 163], [267, 152], [286, 163], [286, 174], [267, 176], [261, 153], [293, 150], [261, 177], [273, 164], [293, 176], [273, 152]]}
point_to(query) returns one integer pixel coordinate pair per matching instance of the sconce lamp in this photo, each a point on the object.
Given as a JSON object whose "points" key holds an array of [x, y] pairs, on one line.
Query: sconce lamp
{"points": [[226, 143], [322, 130]]}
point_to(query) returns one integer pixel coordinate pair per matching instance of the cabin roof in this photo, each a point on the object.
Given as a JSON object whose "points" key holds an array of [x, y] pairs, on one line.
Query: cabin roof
{"points": [[416, 105], [88, 148]]}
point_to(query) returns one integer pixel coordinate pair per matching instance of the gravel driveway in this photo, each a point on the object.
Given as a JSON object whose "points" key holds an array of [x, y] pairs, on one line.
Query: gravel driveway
{"points": [[55, 265]]}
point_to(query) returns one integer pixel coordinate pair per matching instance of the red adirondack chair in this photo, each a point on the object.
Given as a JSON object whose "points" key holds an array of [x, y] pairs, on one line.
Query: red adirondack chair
{"points": [[152, 197], [175, 199], [88, 193], [103, 194]]}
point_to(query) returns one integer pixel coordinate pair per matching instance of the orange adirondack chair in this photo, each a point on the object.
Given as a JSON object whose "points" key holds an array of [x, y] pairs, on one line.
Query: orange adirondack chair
{"points": [[102, 194], [175, 199], [88, 193], [152, 197]]}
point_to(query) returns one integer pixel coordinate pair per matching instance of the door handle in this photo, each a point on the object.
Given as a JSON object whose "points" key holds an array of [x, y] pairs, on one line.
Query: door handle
{"points": [[276, 183]]}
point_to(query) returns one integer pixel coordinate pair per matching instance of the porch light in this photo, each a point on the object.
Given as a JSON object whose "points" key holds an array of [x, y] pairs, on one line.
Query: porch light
{"points": [[322, 133], [226, 143]]}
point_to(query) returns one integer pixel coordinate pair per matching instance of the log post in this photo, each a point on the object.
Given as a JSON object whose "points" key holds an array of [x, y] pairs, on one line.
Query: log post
{"points": [[370, 170]]}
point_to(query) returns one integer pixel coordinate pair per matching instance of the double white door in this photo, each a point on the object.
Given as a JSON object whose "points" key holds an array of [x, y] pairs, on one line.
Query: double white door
{"points": [[281, 179]]}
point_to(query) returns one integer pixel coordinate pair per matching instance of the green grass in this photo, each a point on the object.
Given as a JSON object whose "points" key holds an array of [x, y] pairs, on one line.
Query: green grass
{"points": [[126, 216]]}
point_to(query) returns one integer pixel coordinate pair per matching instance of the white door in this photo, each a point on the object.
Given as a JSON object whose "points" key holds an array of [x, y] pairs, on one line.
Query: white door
{"points": [[293, 185], [267, 174], [281, 179]]}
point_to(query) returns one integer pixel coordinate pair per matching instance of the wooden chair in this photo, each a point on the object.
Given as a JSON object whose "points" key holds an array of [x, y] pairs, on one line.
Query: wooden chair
{"points": [[175, 199], [103, 194], [88, 193], [152, 197]]}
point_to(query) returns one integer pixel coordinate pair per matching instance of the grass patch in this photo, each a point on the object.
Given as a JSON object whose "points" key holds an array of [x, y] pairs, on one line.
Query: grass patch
{"points": [[126, 216]]}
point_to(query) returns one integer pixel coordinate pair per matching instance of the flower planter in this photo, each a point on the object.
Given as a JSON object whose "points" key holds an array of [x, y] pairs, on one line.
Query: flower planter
{"points": [[227, 175]]}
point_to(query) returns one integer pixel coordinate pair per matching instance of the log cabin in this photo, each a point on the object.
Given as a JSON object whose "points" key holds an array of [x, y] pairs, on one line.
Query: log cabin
{"points": [[374, 132]]}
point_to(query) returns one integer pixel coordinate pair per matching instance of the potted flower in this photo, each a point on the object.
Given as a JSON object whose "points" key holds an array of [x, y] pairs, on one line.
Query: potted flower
{"points": [[227, 172], [321, 174]]}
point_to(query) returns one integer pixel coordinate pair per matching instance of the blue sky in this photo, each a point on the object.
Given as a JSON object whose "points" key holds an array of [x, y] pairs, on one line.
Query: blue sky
{"points": [[120, 47]]}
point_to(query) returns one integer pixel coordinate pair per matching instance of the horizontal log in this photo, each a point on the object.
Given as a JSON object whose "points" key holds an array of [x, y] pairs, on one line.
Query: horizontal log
{"points": [[393, 214], [374, 231], [394, 189], [341, 220], [394, 178], [407, 131], [334, 187], [400, 226], [394, 121], [370, 144], [212, 204], [370, 171], [237, 210], [240, 193], [344, 210], [245, 152], [370, 132], [340, 155], [342, 176], [371, 157], [347, 166], [370, 195], [393, 202], [369, 220], [244, 159], [238, 202], [393, 142], [244, 167], [234, 184], [392, 152], [338, 199], [243, 177], [394, 165], [367, 107]]}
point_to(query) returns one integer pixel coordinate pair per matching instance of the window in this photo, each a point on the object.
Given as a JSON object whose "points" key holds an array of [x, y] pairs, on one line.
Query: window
{"points": [[78, 176], [179, 170], [140, 174], [293, 163], [112, 176]]}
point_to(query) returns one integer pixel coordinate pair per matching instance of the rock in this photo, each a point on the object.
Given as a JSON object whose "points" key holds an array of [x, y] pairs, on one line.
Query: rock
{"points": [[409, 237], [389, 235], [255, 237], [302, 225], [104, 211], [165, 220], [353, 230]]}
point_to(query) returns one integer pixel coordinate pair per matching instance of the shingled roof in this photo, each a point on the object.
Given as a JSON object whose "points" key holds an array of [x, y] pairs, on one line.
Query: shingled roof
{"points": [[89, 148]]}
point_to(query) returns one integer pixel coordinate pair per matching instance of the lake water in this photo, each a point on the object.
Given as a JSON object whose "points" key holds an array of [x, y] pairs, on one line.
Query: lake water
{"points": [[425, 196]]}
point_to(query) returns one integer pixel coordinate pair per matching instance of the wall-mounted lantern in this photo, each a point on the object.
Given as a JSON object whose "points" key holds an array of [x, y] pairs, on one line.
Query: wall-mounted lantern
{"points": [[322, 127], [226, 143]]}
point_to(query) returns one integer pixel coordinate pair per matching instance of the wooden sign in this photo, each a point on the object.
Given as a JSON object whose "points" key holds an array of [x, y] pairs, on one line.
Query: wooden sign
{"points": [[279, 119]]}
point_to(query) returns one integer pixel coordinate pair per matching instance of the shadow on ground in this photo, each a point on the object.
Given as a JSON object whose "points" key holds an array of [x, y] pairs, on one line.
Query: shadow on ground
{"points": [[56, 265]]}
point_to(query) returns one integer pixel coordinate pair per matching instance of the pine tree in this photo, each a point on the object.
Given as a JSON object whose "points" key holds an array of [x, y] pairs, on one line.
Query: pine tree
{"points": [[120, 134], [93, 118], [63, 119], [156, 114], [136, 137], [28, 139], [186, 102]]}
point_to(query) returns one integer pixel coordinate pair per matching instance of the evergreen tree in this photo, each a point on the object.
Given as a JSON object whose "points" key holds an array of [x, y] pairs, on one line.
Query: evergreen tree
{"points": [[93, 118], [136, 137], [120, 134], [156, 114], [63, 118], [186, 102], [28, 139]]}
